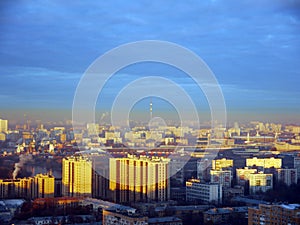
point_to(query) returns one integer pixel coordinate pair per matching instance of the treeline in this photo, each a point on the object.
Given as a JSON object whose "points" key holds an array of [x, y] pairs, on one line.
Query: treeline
{"points": [[283, 193]]}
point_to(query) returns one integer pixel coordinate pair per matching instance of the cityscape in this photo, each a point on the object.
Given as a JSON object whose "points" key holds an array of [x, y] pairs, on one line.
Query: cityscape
{"points": [[150, 113], [120, 176]]}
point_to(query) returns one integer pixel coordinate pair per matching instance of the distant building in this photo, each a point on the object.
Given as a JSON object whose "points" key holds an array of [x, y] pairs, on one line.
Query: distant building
{"points": [[203, 169], [222, 177], [3, 126], [77, 176], [2, 136], [207, 193], [274, 214], [264, 162], [139, 179], [93, 129], [219, 164], [128, 217], [287, 176], [260, 182]]}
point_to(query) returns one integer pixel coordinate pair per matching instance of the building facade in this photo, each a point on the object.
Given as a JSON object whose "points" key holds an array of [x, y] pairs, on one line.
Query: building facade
{"points": [[243, 175], [274, 214], [139, 179], [40, 186], [127, 217], [3, 126], [287, 176], [219, 164], [204, 192], [77, 177], [264, 162], [222, 177], [260, 182]]}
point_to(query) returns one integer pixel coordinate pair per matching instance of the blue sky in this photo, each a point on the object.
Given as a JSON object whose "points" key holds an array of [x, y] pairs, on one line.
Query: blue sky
{"points": [[252, 46]]}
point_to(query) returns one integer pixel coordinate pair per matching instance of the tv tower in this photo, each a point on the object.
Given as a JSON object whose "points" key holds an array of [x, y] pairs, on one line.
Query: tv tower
{"points": [[151, 109]]}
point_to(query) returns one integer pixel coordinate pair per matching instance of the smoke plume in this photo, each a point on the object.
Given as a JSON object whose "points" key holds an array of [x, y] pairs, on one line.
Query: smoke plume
{"points": [[18, 166]]}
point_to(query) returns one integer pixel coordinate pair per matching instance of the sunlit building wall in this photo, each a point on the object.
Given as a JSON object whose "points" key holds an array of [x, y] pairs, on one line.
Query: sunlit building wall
{"points": [[260, 182], [44, 186], [264, 162], [219, 164], [3, 126], [139, 179], [77, 176], [40, 186], [243, 175]]}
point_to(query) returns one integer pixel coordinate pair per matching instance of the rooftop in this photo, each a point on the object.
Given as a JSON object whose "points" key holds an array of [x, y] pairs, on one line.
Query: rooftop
{"points": [[164, 219]]}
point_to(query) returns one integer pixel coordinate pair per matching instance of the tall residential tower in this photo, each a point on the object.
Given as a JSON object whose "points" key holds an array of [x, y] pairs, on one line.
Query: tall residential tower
{"points": [[77, 176]]}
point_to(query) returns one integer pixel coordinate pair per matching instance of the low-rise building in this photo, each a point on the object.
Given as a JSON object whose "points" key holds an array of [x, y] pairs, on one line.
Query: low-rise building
{"points": [[204, 192], [225, 215], [123, 217], [274, 214], [169, 220]]}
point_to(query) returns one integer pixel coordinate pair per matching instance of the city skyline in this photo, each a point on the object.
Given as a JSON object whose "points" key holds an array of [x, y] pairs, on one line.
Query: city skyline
{"points": [[252, 48]]}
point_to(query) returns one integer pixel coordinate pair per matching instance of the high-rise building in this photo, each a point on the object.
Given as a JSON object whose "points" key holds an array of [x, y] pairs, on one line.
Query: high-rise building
{"points": [[204, 192], [203, 169], [274, 214], [264, 162], [297, 165], [139, 178], [93, 129], [260, 182], [3, 126], [43, 186], [77, 176], [223, 177], [40, 186], [287, 176], [218, 164]]}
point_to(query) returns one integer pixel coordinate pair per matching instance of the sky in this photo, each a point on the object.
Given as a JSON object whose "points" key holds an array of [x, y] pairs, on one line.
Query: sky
{"points": [[252, 47]]}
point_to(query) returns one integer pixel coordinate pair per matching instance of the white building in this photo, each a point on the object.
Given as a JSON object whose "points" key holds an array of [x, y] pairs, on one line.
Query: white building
{"points": [[207, 193]]}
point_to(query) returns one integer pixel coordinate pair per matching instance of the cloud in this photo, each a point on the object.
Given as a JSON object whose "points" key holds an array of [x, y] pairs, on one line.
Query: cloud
{"points": [[252, 46]]}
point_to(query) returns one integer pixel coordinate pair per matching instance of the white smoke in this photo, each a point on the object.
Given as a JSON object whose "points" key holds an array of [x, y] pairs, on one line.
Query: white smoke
{"points": [[18, 166]]}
